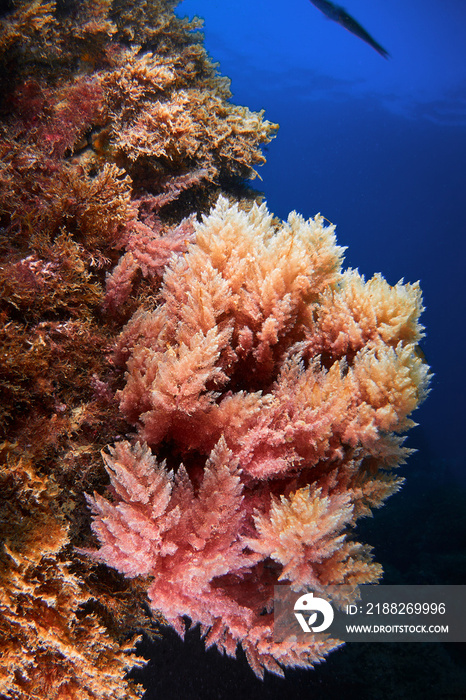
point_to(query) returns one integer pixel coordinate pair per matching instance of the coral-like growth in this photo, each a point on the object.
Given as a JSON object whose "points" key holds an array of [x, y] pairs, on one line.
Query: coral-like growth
{"points": [[52, 647], [156, 114], [282, 384], [148, 251]]}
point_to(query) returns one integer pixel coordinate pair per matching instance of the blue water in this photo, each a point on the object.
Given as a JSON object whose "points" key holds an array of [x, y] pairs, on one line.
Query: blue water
{"points": [[377, 146]]}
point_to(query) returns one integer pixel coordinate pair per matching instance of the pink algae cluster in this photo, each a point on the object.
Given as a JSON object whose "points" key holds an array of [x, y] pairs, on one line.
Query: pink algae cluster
{"points": [[269, 390]]}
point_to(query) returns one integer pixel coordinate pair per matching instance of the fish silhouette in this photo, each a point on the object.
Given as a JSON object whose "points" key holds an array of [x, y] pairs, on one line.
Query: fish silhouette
{"points": [[339, 14]]}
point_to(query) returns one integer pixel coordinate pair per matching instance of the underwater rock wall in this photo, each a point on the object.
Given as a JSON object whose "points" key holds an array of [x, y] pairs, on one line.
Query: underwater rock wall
{"points": [[115, 129]]}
